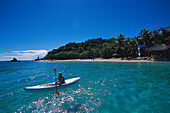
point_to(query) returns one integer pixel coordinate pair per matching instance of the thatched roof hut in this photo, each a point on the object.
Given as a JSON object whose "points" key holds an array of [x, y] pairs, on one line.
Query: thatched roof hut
{"points": [[158, 47]]}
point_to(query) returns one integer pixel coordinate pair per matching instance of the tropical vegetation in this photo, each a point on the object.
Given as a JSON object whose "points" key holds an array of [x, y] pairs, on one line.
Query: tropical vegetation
{"points": [[113, 47]]}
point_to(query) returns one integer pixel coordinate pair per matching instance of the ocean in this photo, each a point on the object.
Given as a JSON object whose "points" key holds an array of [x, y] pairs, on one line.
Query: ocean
{"points": [[104, 87]]}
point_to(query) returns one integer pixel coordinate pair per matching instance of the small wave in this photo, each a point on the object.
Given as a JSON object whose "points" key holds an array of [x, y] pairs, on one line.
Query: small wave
{"points": [[3, 70]]}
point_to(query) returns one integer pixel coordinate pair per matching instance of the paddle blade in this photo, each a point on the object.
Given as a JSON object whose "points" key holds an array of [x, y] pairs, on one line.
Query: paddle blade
{"points": [[54, 69], [57, 93]]}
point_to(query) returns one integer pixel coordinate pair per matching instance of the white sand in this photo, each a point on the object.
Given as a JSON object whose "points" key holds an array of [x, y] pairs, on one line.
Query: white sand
{"points": [[102, 60]]}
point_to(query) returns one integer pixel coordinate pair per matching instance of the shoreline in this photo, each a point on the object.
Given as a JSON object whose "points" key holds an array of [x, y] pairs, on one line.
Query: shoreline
{"points": [[104, 60]]}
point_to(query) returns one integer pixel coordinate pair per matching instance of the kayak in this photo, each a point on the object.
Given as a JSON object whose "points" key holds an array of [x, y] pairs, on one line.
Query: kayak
{"points": [[52, 85]]}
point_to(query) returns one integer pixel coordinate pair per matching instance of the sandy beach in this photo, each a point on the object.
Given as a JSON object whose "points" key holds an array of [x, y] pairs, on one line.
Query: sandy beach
{"points": [[103, 60]]}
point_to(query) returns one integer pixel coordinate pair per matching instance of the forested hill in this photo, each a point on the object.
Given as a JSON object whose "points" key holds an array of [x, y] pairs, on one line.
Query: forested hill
{"points": [[107, 48], [93, 48]]}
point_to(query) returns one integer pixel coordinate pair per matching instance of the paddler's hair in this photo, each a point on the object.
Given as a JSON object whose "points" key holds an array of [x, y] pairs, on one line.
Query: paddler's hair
{"points": [[60, 73]]}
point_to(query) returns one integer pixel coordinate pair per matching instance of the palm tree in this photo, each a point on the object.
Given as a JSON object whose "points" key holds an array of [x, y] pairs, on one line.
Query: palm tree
{"points": [[145, 36], [120, 50], [155, 37], [131, 47], [164, 33]]}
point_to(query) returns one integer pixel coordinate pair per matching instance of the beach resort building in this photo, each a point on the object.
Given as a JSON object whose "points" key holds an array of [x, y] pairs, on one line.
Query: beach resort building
{"points": [[159, 51]]}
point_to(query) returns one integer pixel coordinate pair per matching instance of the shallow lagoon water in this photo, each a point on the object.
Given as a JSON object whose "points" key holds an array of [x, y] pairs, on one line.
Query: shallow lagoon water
{"points": [[104, 87]]}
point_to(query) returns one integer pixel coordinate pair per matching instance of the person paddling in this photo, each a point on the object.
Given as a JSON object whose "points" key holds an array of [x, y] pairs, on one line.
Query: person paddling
{"points": [[60, 78]]}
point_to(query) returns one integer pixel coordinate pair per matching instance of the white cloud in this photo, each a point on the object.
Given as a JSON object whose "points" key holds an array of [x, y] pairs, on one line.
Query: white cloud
{"points": [[23, 55]]}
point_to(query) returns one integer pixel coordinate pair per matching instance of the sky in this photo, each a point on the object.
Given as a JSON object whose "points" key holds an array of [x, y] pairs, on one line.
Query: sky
{"points": [[31, 28]]}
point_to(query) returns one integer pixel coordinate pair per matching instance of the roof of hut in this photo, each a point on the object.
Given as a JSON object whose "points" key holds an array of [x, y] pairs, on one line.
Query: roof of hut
{"points": [[158, 47]]}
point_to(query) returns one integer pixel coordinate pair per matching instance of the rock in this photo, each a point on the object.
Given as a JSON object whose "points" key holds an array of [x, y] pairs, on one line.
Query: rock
{"points": [[37, 59], [15, 60]]}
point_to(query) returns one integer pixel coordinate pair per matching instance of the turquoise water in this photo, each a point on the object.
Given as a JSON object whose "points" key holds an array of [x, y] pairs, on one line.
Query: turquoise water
{"points": [[104, 87]]}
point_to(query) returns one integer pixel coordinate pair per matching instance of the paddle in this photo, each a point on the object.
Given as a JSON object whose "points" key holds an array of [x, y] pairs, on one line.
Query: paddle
{"points": [[57, 92]]}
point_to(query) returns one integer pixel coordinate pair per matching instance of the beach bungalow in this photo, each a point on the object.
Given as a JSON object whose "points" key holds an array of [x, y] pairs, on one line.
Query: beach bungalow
{"points": [[159, 51]]}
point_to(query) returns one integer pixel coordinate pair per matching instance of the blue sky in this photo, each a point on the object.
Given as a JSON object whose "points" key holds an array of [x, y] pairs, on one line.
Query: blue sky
{"points": [[33, 27]]}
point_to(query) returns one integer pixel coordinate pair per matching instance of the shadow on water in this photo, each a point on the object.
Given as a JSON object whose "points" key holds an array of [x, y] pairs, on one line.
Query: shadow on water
{"points": [[76, 108]]}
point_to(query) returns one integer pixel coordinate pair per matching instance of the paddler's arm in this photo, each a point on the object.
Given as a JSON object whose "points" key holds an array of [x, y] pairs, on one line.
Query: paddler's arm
{"points": [[55, 77]]}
